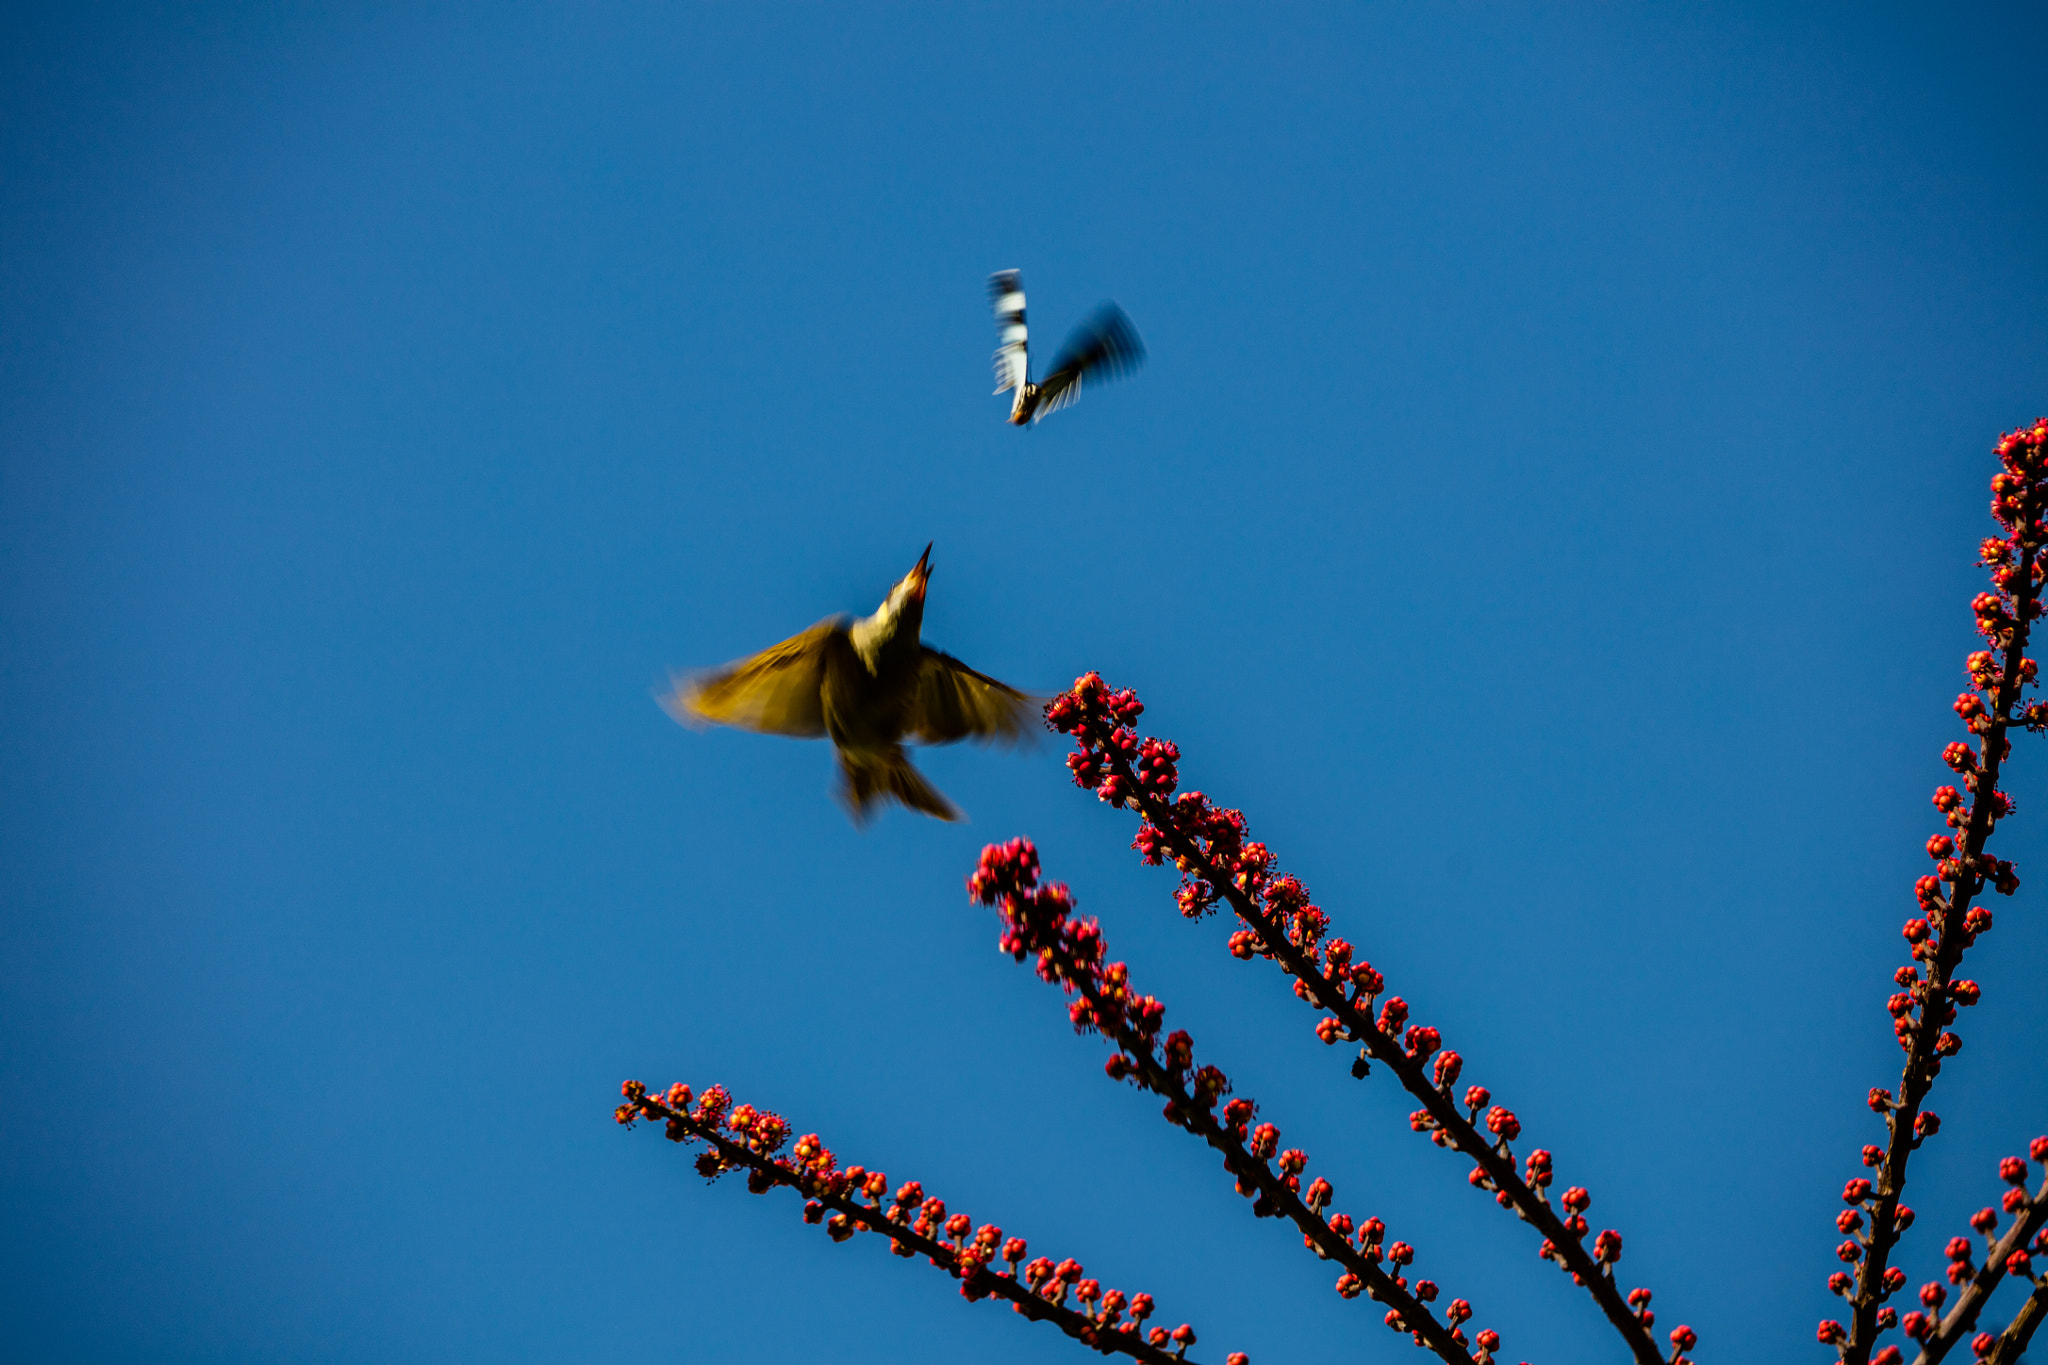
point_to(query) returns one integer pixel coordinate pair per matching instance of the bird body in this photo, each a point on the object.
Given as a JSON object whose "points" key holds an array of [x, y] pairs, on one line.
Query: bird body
{"points": [[1103, 347], [868, 685]]}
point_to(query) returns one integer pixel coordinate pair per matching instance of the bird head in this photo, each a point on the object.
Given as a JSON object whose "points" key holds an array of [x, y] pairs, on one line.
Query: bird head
{"points": [[902, 611]]}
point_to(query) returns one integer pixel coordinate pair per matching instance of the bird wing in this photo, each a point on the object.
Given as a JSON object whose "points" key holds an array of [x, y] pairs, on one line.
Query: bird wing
{"points": [[954, 701], [1013, 359], [777, 692], [1103, 347]]}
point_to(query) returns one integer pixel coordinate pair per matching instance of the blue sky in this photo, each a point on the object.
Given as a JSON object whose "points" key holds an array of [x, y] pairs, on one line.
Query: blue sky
{"points": [[1547, 511]]}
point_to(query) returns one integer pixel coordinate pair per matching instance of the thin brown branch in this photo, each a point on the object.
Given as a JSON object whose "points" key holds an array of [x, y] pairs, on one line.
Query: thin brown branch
{"points": [[1950, 921], [1070, 952], [1460, 1133], [2012, 1342], [871, 1218], [1274, 1192], [1961, 1320]]}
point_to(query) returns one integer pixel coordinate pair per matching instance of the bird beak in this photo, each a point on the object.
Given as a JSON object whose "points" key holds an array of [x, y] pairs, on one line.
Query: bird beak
{"points": [[922, 573]]}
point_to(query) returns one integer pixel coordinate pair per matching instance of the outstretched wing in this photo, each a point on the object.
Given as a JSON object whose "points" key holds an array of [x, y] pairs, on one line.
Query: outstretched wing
{"points": [[1103, 347], [956, 702], [777, 692], [1013, 360]]}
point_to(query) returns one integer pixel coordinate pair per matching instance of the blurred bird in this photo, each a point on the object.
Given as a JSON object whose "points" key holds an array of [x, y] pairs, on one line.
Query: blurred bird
{"points": [[869, 684], [1103, 347]]}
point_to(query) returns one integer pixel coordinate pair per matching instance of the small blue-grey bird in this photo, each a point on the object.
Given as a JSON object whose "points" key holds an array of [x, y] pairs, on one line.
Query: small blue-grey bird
{"points": [[1103, 347]]}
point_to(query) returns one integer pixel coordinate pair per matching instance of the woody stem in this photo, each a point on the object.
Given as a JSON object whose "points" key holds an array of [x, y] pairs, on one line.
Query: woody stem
{"points": [[1962, 1319], [1461, 1133], [1952, 939], [1201, 1121], [870, 1218]]}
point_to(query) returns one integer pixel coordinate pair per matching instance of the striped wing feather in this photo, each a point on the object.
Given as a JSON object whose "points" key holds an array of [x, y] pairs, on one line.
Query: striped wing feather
{"points": [[1013, 356]]}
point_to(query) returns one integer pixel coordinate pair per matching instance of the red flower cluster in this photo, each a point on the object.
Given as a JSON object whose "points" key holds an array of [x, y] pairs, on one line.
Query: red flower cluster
{"points": [[744, 1138], [1928, 994], [1038, 923], [1218, 861]]}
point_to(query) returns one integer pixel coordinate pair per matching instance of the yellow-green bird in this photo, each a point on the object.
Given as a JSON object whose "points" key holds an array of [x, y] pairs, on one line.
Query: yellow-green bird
{"points": [[869, 684]]}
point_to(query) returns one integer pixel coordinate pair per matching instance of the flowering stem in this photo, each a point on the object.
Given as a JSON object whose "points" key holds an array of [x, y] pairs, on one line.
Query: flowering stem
{"points": [[768, 1171], [1460, 1133], [1952, 928], [1962, 1319], [1239, 1161], [2012, 1342]]}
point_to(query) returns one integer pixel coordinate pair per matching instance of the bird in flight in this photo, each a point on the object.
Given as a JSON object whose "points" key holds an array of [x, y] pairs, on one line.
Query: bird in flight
{"points": [[869, 685], [1103, 347]]}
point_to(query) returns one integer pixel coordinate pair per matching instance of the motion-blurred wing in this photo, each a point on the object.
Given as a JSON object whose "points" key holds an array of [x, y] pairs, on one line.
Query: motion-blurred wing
{"points": [[777, 692], [1013, 360], [955, 702], [1103, 347]]}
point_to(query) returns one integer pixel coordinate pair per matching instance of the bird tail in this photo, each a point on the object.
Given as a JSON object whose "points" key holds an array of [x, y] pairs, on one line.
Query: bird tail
{"points": [[866, 778]]}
